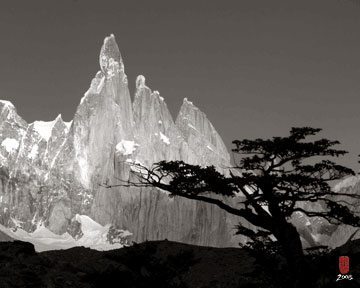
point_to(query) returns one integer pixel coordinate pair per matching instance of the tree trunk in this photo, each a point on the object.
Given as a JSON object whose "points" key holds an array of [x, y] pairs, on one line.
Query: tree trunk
{"points": [[290, 242]]}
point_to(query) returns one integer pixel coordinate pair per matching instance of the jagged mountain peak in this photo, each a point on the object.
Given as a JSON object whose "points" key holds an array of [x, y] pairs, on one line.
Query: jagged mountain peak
{"points": [[110, 57], [45, 128], [140, 82], [8, 111], [66, 167], [59, 118], [147, 98], [188, 109], [186, 103], [61, 124], [198, 131], [6, 104]]}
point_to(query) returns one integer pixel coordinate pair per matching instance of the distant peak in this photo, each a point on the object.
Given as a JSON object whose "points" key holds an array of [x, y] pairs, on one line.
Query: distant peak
{"points": [[110, 56]]}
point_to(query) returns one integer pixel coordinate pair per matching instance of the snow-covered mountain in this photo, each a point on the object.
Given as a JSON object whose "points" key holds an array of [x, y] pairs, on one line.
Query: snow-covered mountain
{"points": [[50, 171]]}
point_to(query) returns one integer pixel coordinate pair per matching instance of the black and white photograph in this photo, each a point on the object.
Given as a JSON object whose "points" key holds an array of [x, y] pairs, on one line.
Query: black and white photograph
{"points": [[180, 144]]}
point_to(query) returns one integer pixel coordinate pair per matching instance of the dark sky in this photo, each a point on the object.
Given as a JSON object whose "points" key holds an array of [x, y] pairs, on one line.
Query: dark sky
{"points": [[255, 67]]}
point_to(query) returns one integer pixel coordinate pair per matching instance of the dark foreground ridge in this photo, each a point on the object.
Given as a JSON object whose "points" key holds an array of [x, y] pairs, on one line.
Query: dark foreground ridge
{"points": [[162, 264]]}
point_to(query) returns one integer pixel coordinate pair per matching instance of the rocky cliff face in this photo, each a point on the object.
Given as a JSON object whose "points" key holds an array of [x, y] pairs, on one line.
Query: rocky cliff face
{"points": [[51, 171]]}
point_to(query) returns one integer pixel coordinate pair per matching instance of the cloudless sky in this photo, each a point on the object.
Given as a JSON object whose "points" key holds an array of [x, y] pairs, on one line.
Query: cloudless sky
{"points": [[255, 67]]}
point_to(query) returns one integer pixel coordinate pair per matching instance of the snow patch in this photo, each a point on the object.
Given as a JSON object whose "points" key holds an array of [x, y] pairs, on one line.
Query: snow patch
{"points": [[10, 145], [126, 147], [68, 124], [95, 236], [44, 128], [209, 148], [165, 139]]}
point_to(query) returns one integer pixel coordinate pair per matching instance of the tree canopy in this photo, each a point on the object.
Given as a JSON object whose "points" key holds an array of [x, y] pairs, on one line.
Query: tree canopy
{"points": [[270, 179]]}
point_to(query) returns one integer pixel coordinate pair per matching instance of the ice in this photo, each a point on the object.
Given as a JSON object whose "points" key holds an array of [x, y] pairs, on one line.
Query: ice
{"points": [[10, 145], [126, 147]]}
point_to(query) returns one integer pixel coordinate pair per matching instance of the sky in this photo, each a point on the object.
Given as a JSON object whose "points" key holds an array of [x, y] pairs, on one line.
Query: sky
{"points": [[255, 67]]}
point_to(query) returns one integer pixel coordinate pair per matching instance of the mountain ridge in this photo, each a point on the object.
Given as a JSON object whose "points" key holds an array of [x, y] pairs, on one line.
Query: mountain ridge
{"points": [[51, 171]]}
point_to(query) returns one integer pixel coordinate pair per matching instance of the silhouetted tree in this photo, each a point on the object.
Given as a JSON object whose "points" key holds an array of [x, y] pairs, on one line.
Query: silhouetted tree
{"points": [[274, 177]]}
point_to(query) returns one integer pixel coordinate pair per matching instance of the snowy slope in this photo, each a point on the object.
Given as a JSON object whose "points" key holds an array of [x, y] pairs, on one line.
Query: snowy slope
{"points": [[94, 236]]}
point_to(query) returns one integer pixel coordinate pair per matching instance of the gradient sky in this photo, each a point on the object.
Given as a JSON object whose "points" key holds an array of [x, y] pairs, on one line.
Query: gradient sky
{"points": [[255, 67]]}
